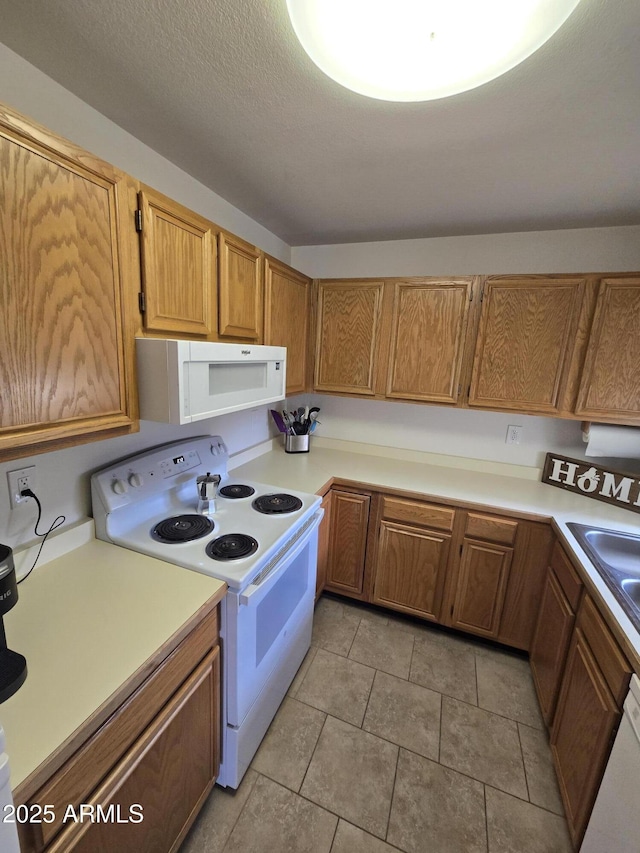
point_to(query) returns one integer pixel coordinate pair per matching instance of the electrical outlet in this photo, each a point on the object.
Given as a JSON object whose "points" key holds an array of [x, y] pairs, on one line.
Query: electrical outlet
{"points": [[514, 434], [23, 478]]}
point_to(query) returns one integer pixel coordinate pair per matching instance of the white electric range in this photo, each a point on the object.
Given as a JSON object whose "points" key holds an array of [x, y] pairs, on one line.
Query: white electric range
{"points": [[262, 542]]}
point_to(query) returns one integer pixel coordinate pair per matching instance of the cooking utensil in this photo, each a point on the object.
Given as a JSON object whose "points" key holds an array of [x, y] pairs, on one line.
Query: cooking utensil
{"points": [[277, 417]]}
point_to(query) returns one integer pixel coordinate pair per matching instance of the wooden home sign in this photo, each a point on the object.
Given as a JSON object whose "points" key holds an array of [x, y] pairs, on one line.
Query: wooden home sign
{"points": [[575, 475]]}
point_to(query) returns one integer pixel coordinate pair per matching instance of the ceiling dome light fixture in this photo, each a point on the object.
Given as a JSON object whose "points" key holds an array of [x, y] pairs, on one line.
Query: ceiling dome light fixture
{"points": [[420, 50]]}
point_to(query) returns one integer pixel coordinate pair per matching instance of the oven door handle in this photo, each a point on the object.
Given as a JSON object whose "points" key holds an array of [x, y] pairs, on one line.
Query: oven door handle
{"points": [[259, 590]]}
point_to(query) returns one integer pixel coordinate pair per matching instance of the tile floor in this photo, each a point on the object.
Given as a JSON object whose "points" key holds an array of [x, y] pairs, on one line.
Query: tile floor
{"points": [[395, 736]]}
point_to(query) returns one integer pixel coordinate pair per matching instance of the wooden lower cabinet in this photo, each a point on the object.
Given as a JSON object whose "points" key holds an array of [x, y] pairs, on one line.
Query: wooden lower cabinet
{"points": [[589, 709], [155, 758], [411, 570], [481, 587], [560, 598], [347, 545]]}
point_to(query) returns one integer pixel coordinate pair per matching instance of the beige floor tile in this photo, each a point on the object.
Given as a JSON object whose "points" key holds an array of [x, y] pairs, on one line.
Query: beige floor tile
{"points": [[404, 713], [351, 839], [352, 773], [338, 686], [435, 810], [539, 769], [505, 686], [518, 827], [219, 814], [444, 663], [482, 745], [286, 750], [334, 626], [302, 671], [276, 819], [383, 647]]}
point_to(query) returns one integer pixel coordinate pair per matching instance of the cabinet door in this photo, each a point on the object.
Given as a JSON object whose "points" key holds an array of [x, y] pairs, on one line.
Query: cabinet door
{"points": [[582, 734], [168, 773], [239, 290], [481, 587], [178, 267], [323, 545], [550, 644], [348, 538], [348, 336], [411, 567], [610, 385], [428, 334], [525, 343], [286, 319], [63, 351]]}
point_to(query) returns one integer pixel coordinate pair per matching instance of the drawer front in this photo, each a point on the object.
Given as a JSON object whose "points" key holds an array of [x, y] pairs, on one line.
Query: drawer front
{"points": [[567, 576], [492, 528], [605, 649], [84, 770], [415, 512]]}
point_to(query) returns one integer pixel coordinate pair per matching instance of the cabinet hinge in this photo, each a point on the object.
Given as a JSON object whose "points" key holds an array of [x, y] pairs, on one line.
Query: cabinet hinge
{"points": [[482, 293], [451, 611], [459, 389], [471, 294], [142, 302], [461, 550], [138, 218]]}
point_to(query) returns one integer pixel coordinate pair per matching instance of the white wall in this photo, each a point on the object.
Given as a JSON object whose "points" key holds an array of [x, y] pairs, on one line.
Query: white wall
{"points": [[454, 432], [570, 251], [28, 90]]}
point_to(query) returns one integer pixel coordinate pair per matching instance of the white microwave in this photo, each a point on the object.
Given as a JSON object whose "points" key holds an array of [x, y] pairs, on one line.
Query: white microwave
{"points": [[180, 382]]}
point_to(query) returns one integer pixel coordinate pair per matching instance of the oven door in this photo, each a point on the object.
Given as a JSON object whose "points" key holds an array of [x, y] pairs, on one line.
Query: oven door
{"points": [[263, 620]]}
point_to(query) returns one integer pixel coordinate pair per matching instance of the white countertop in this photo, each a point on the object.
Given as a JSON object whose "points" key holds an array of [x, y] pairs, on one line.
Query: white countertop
{"points": [[86, 622], [512, 488]]}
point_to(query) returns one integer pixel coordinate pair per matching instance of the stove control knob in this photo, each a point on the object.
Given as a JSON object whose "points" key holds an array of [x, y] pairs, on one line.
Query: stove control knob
{"points": [[135, 480], [119, 487]]}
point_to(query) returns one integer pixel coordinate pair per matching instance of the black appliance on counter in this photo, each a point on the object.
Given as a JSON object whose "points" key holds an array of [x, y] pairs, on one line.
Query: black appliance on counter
{"points": [[13, 666]]}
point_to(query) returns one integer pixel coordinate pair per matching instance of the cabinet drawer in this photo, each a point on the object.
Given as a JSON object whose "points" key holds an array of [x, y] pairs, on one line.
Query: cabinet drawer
{"points": [[84, 770], [427, 515], [492, 528], [605, 649], [567, 576]]}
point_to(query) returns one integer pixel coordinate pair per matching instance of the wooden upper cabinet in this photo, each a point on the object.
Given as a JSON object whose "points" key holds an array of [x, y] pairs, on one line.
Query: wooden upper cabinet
{"points": [[178, 260], [428, 333], [348, 336], [286, 319], [63, 350], [240, 304], [525, 342], [610, 385]]}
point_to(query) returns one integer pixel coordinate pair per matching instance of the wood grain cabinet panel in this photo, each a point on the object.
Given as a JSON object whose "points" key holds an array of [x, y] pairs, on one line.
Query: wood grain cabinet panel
{"points": [[610, 383], [347, 546], [525, 343], [582, 735], [178, 266], [481, 587], [411, 568], [347, 339], [168, 772], [551, 644], [286, 319], [240, 290], [428, 333], [63, 352]]}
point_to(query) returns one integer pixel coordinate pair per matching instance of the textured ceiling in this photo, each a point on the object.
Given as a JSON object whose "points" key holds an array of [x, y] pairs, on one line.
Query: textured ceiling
{"points": [[223, 89]]}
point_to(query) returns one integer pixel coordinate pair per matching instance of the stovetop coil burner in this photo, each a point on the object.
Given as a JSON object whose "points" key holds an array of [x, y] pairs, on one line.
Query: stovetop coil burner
{"points": [[277, 504], [232, 546], [237, 490], [182, 528]]}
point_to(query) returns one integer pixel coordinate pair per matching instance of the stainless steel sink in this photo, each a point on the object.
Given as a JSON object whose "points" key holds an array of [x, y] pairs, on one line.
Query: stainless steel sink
{"points": [[616, 556]]}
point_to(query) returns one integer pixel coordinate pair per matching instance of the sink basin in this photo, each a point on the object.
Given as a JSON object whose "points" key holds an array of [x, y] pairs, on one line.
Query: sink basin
{"points": [[616, 556]]}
